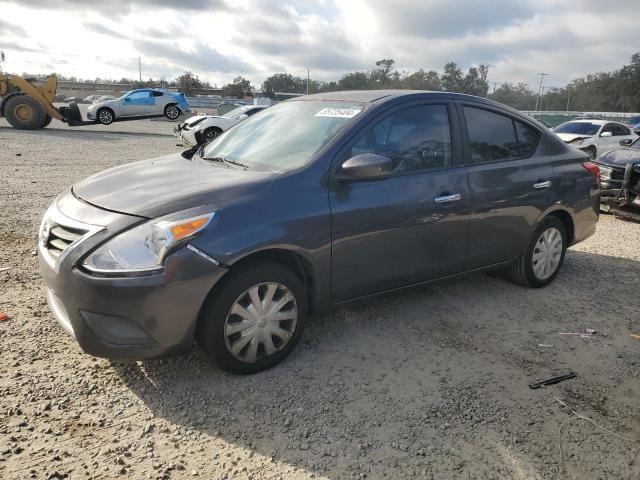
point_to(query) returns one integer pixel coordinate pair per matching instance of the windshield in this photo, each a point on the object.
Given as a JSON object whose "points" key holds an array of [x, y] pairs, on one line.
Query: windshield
{"points": [[235, 113], [579, 128], [283, 137]]}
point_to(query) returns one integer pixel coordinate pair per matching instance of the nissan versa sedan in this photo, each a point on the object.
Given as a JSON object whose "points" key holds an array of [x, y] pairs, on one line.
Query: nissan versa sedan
{"points": [[314, 202]]}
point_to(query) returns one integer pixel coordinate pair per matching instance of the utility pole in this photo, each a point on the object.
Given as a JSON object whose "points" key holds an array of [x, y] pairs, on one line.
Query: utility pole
{"points": [[140, 68], [568, 97], [542, 75], [2, 58], [307, 81], [494, 86]]}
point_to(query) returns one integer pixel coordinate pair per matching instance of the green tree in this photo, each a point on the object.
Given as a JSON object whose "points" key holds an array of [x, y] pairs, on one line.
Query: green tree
{"points": [[239, 88], [283, 82], [188, 83], [354, 81]]}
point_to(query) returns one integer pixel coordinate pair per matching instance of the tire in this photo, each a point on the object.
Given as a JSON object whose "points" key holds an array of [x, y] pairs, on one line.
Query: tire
{"points": [[47, 121], [74, 112], [105, 116], [209, 134], [172, 112], [523, 270], [218, 318], [593, 153], [24, 112]]}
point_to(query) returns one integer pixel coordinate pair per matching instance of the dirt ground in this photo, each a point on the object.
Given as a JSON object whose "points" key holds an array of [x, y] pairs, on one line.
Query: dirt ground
{"points": [[431, 383]]}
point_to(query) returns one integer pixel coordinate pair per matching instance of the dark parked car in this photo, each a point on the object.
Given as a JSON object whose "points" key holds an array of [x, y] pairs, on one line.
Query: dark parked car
{"points": [[620, 179], [317, 201]]}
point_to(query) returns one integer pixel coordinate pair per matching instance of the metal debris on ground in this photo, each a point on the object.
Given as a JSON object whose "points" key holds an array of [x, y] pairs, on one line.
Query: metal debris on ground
{"points": [[551, 381], [544, 345]]}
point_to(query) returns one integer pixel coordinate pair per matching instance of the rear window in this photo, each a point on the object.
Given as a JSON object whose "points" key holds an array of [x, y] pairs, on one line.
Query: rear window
{"points": [[493, 136]]}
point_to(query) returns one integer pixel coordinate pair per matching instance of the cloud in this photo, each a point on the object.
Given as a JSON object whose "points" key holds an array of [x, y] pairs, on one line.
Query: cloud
{"points": [[221, 39], [443, 19], [201, 58], [102, 29], [10, 30], [116, 8]]}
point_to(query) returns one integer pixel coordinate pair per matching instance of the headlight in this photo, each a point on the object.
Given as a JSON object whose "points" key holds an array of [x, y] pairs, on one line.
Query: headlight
{"points": [[577, 141], [143, 248]]}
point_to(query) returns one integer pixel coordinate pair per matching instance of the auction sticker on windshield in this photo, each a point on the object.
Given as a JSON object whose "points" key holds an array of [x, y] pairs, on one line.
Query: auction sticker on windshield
{"points": [[338, 112]]}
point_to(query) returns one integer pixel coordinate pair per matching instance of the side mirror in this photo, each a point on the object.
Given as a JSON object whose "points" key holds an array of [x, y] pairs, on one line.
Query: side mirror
{"points": [[626, 142], [366, 166], [606, 134]]}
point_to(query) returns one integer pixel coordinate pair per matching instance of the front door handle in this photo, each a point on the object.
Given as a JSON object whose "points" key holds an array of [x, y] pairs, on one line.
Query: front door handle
{"points": [[541, 185], [448, 198]]}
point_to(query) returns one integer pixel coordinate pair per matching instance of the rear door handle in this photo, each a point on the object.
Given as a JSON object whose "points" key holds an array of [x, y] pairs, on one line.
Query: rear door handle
{"points": [[540, 185], [448, 198]]}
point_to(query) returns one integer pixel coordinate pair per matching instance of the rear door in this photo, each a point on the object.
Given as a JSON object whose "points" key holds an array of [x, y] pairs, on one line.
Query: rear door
{"points": [[510, 182], [409, 227]]}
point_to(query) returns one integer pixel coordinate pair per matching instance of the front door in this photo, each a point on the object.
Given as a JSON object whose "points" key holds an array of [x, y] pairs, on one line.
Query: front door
{"points": [[412, 226], [138, 103], [510, 183]]}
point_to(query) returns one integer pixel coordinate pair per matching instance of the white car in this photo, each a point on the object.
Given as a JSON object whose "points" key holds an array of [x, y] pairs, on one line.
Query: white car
{"points": [[142, 103], [200, 129], [594, 136]]}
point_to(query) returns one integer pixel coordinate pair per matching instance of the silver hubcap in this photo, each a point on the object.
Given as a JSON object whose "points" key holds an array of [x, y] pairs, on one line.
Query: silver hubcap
{"points": [[547, 253], [173, 112], [260, 322], [105, 117]]}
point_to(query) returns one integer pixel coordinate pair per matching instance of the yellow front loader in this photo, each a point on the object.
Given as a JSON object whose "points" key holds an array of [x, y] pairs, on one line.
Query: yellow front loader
{"points": [[28, 105]]}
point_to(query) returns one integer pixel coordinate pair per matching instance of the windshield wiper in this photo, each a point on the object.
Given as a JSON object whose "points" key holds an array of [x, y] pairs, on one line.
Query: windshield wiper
{"points": [[224, 160]]}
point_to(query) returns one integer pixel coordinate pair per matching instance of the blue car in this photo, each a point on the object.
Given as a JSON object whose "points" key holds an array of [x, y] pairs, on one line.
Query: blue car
{"points": [[142, 103]]}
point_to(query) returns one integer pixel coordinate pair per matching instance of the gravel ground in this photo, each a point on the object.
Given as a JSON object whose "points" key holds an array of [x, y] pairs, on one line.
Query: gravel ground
{"points": [[427, 384]]}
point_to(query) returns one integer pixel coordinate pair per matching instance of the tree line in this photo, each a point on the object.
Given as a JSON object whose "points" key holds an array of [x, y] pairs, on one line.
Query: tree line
{"points": [[606, 91]]}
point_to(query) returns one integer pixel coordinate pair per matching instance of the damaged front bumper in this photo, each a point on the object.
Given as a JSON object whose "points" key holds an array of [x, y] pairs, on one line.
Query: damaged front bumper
{"points": [[620, 189]]}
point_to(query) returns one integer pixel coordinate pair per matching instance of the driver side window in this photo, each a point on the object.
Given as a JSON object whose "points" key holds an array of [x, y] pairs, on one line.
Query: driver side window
{"points": [[415, 138]]}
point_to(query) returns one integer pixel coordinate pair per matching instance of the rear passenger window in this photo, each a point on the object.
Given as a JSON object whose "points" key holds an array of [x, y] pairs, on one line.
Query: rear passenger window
{"points": [[497, 137], [416, 138]]}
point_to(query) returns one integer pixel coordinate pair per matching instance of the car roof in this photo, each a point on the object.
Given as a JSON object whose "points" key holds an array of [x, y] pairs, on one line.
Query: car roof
{"points": [[593, 121], [375, 96]]}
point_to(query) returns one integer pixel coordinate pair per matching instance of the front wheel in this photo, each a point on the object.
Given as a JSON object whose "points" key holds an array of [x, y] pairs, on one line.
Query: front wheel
{"points": [[593, 153], [171, 111], [254, 319], [540, 264], [105, 116], [210, 133]]}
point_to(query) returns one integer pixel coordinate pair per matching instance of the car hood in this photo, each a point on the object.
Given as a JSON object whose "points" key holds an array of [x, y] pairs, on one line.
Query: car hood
{"points": [[106, 103], [164, 185], [570, 137], [619, 158]]}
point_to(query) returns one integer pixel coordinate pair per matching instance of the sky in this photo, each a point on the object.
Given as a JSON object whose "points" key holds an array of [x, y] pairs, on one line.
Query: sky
{"points": [[221, 39]]}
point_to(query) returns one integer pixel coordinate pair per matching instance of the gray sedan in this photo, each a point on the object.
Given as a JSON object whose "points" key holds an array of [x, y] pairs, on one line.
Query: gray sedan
{"points": [[314, 202]]}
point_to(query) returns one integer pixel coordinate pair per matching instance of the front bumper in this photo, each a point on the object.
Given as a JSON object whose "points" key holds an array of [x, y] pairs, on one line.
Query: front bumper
{"points": [[91, 115], [186, 136], [125, 317]]}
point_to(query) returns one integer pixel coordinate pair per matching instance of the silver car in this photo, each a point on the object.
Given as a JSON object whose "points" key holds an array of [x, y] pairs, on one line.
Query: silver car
{"points": [[143, 103]]}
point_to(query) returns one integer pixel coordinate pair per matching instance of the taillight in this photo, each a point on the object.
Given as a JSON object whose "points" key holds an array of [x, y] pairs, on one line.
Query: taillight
{"points": [[593, 169]]}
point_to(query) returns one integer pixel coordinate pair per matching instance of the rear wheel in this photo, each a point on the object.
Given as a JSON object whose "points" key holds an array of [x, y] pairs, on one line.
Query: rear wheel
{"points": [[171, 111], [47, 121], [25, 112], [254, 319], [540, 264], [592, 152]]}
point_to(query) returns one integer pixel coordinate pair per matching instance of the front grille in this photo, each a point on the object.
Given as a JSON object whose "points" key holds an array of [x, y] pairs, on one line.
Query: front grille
{"points": [[60, 237]]}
